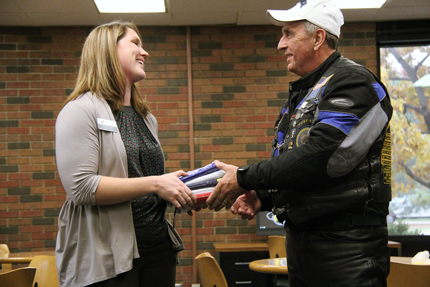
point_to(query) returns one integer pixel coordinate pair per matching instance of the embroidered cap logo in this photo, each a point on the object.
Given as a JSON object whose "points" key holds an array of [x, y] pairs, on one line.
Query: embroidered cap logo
{"points": [[303, 3]]}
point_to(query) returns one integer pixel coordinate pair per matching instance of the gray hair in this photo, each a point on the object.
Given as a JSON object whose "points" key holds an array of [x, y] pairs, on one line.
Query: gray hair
{"points": [[332, 40]]}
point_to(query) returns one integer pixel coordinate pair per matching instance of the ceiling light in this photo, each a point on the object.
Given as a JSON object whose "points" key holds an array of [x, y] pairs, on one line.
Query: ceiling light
{"points": [[130, 6], [358, 4]]}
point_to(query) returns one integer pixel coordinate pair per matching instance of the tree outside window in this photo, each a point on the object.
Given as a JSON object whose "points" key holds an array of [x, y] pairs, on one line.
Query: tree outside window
{"points": [[406, 73]]}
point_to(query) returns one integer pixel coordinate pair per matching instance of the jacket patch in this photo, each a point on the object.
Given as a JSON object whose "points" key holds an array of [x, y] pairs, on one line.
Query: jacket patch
{"points": [[302, 136], [341, 102]]}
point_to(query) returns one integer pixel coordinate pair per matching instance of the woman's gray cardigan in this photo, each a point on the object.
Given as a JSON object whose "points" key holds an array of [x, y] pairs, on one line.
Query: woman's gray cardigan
{"points": [[94, 242]]}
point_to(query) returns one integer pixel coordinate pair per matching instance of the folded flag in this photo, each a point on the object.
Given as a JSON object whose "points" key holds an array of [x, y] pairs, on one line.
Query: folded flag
{"points": [[202, 195], [202, 181], [199, 172], [201, 184], [215, 175]]}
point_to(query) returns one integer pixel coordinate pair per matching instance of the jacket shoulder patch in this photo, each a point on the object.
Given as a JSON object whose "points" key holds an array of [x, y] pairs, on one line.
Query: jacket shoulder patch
{"points": [[341, 102]]}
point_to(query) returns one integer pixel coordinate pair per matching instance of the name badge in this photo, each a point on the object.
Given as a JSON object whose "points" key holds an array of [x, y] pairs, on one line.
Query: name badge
{"points": [[107, 125]]}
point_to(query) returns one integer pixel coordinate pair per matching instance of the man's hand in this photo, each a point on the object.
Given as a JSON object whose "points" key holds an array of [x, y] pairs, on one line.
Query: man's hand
{"points": [[247, 205], [227, 189]]}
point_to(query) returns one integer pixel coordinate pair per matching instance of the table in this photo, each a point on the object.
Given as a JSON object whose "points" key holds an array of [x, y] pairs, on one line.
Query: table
{"points": [[264, 246], [24, 257], [279, 265], [394, 244], [241, 246], [234, 258], [401, 259], [272, 266]]}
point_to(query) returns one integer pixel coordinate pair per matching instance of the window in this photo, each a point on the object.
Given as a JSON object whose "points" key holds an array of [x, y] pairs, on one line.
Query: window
{"points": [[405, 70]]}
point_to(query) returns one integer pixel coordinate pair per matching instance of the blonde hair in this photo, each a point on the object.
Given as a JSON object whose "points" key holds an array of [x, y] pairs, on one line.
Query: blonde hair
{"points": [[100, 71]]}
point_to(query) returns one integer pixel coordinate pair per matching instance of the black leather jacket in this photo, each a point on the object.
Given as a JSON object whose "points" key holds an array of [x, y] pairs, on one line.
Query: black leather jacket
{"points": [[332, 149]]}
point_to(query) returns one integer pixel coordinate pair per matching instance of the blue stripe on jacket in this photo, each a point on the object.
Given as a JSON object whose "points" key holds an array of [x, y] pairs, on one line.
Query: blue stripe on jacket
{"points": [[342, 121]]}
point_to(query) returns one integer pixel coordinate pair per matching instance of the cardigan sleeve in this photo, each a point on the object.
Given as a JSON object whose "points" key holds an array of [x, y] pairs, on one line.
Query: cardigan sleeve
{"points": [[78, 151]]}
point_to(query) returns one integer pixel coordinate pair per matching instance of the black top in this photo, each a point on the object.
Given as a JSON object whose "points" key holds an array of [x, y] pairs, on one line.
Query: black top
{"points": [[144, 158]]}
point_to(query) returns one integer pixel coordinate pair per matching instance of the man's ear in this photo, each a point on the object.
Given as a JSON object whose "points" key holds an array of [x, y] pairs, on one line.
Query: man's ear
{"points": [[319, 38]]}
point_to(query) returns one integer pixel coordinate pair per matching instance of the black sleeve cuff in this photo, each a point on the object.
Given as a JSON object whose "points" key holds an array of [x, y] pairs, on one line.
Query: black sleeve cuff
{"points": [[241, 177], [265, 199], [245, 178]]}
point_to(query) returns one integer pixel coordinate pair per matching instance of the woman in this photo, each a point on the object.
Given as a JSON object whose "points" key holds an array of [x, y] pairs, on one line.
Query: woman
{"points": [[108, 155]]}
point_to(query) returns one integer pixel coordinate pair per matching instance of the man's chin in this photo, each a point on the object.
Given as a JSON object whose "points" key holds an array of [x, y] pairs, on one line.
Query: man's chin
{"points": [[291, 68]]}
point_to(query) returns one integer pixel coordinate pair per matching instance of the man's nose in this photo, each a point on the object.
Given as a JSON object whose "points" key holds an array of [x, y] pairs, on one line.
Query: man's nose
{"points": [[282, 44]]}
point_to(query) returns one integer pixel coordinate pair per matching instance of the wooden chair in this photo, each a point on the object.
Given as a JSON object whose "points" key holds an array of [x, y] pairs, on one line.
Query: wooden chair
{"points": [[210, 273], [277, 246], [46, 274], [20, 277], [276, 250], [4, 253], [403, 274]]}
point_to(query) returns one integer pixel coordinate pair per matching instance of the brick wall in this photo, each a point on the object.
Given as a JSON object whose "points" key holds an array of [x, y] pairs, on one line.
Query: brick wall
{"points": [[239, 83]]}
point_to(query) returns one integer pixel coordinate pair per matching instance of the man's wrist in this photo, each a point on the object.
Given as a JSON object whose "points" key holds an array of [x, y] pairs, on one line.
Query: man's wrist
{"points": [[241, 175]]}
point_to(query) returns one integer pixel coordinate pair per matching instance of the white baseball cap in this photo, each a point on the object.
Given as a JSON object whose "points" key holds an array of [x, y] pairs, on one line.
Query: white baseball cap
{"points": [[322, 13]]}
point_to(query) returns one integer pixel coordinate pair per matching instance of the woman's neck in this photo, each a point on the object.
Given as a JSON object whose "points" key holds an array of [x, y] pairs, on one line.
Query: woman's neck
{"points": [[127, 96]]}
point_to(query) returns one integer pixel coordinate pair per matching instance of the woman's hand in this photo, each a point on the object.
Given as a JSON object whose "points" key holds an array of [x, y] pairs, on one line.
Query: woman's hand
{"points": [[169, 187]]}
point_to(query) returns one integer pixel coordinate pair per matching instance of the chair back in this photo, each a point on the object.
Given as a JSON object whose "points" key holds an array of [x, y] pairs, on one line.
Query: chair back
{"points": [[210, 273], [407, 275], [46, 274], [21, 277], [4, 249], [277, 246], [4, 253]]}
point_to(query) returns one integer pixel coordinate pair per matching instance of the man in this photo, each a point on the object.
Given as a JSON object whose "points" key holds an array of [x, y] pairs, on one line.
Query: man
{"points": [[329, 176]]}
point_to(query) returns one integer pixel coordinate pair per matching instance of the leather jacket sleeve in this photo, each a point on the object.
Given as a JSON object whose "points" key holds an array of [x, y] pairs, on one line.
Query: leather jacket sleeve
{"points": [[351, 115]]}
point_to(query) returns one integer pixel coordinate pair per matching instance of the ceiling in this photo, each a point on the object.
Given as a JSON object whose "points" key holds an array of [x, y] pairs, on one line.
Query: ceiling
{"points": [[187, 12]]}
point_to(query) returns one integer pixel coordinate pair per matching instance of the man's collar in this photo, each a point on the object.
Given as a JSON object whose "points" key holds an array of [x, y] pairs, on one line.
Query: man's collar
{"points": [[308, 81]]}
